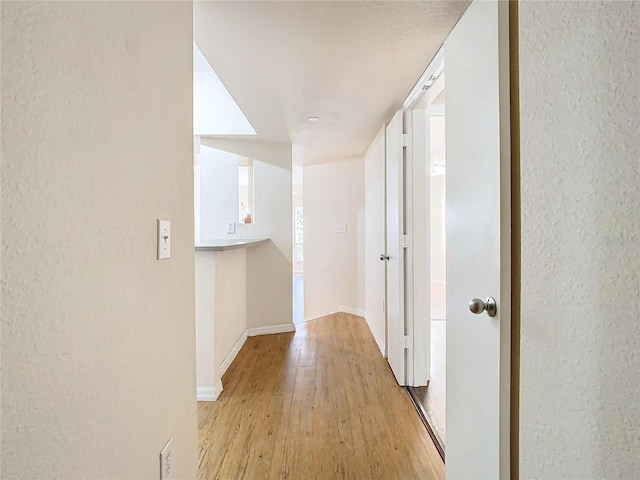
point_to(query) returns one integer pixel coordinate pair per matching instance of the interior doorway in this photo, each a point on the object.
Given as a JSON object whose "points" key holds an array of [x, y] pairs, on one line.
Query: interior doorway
{"points": [[430, 399], [297, 210], [477, 333]]}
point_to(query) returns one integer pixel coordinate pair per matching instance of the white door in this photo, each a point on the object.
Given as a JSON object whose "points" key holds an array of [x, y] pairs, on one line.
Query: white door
{"points": [[478, 243], [374, 240], [395, 253]]}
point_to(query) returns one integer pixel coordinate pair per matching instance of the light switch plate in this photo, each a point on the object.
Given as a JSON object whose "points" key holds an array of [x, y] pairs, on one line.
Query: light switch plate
{"points": [[231, 227], [164, 239], [341, 228]]}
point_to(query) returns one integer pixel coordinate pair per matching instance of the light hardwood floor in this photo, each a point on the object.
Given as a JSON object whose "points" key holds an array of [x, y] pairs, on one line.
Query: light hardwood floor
{"points": [[318, 404]]}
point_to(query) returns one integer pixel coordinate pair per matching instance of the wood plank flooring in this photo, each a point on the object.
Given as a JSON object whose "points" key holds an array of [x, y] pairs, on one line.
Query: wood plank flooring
{"points": [[318, 404]]}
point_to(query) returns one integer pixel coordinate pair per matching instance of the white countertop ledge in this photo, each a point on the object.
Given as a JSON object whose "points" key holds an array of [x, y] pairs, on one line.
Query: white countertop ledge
{"points": [[229, 244]]}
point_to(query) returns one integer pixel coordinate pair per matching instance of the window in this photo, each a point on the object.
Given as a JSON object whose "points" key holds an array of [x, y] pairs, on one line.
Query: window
{"points": [[298, 234], [245, 191]]}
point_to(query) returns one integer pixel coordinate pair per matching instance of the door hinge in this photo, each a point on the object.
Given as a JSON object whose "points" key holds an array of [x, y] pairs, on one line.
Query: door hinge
{"points": [[406, 341], [404, 139], [384, 305], [405, 241]]}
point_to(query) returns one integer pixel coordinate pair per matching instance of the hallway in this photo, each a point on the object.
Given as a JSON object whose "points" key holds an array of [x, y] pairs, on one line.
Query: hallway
{"points": [[321, 403]]}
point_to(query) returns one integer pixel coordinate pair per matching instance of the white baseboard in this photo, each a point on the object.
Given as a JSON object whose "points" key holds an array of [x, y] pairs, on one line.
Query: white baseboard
{"points": [[352, 311], [284, 328], [232, 354], [380, 342], [208, 394]]}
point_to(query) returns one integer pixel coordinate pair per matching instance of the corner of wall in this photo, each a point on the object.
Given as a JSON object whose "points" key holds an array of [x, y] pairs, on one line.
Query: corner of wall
{"points": [[334, 256]]}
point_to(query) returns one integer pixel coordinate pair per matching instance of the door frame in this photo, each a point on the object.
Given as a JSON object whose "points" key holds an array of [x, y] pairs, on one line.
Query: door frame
{"points": [[418, 264], [396, 247], [414, 225]]}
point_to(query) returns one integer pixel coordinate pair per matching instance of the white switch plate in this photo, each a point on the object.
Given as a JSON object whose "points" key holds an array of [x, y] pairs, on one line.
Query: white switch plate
{"points": [[165, 461], [164, 239], [231, 227], [341, 228]]}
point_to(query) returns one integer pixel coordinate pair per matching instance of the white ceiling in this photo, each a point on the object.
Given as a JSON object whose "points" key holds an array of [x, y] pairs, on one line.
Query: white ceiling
{"points": [[349, 63]]}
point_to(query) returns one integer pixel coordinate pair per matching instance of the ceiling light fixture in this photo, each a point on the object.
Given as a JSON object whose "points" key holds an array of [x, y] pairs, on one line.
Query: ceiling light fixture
{"points": [[312, 119]]}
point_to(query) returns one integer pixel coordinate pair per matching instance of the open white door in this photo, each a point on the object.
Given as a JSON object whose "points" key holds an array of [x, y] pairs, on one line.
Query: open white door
{"points": [[395, 251], [478, 243]]}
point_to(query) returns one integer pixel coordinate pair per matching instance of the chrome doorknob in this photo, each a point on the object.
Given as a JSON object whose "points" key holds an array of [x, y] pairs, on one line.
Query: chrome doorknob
{"points": [[384, 257], [477, 306]]}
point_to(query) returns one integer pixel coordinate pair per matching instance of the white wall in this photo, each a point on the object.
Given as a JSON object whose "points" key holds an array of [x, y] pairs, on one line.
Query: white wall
{"points": [[231, 304], [269, 268], [207, 377], [374, 174], [218, 192], [98, 341], [221, 315], [334, 262], [580, 338]]}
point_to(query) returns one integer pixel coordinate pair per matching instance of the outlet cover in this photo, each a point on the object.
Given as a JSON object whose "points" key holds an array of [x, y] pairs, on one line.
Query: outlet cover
{"points": [[165, 461], [231, 227], [341, 228]]}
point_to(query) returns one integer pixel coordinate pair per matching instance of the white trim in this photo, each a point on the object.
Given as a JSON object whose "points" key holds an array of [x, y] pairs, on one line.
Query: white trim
{"points": [[284, 328], [435, 110], [208, 394], [317, 318], [232, 354], [352, 311], [435, 69], [379, 344]]}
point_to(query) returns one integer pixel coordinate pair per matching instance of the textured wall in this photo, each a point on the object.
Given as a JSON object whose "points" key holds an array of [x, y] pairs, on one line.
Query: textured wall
{"points": [[333, 269], [580, 353], [98, 341]]}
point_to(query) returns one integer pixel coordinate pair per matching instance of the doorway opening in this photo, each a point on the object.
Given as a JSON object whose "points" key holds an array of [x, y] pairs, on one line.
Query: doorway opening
{"points": [[297, 210], [430, 400]]}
